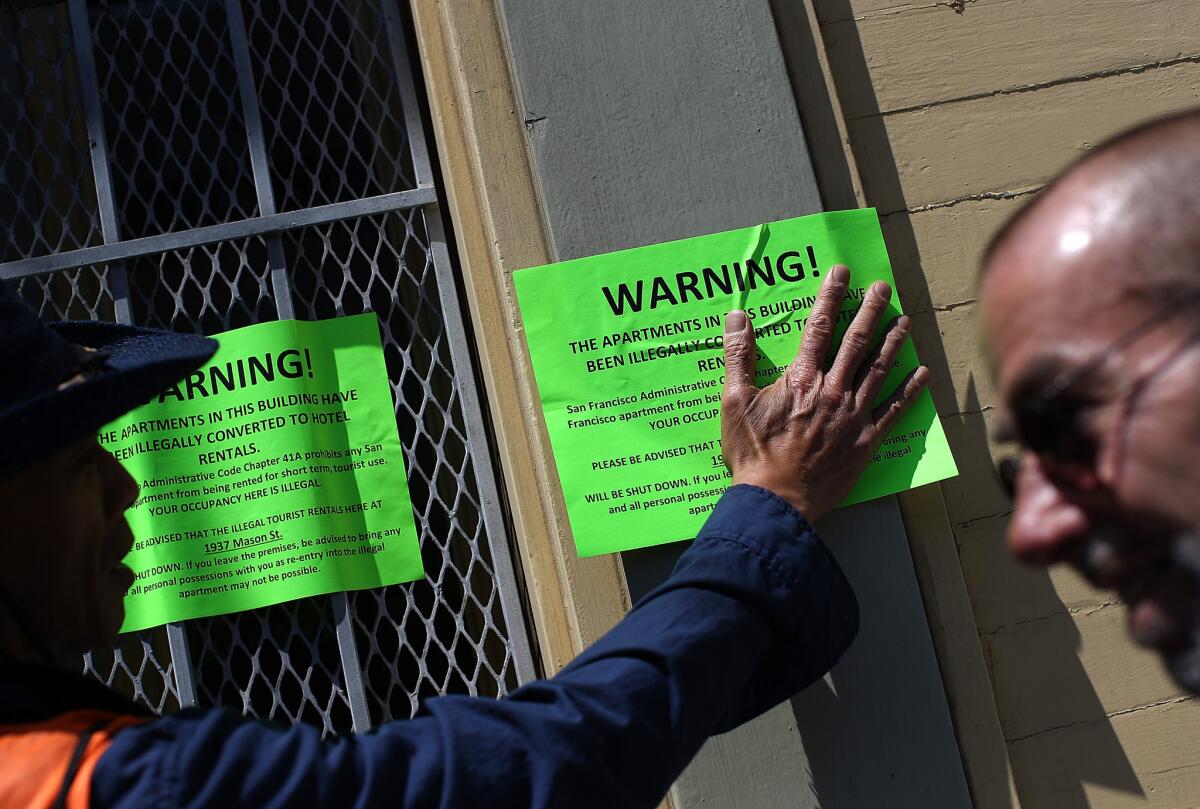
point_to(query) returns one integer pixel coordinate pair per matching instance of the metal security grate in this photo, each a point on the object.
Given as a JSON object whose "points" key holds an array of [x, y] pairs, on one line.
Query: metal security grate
{"points": [[47, 198], [200, 165]]}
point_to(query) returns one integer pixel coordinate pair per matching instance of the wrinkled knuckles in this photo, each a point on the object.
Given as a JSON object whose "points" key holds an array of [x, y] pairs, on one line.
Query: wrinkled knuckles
{"points": [[880, 367], [855, 343], [736, 351], [835, 397], [818, 325], [894, 409], [799, 380]]}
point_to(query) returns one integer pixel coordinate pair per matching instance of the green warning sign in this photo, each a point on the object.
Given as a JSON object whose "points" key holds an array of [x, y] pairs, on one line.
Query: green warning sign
{"points": [[272, 473], [627, 352]]}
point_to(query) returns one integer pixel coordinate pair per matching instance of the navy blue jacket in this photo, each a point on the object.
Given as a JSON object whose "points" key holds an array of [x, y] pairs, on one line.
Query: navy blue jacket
{"points": [[755, 610]]}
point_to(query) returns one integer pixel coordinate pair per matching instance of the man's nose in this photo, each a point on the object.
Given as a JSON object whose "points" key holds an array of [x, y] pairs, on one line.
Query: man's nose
{"points": [[1045, 525], [122, 489]]}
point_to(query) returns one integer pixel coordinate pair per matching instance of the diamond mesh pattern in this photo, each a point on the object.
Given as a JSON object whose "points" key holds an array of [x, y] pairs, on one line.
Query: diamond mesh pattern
{"points": [[136, 667], [176, 134], [205, 289], [81, 294], [330, 106], [446, 633], [179, 158], [47, 195], [281, 662], [277, 663]]}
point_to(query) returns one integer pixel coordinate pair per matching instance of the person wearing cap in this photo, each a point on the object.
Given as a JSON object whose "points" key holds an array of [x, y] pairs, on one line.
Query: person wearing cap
{"points": [[756, 609]]}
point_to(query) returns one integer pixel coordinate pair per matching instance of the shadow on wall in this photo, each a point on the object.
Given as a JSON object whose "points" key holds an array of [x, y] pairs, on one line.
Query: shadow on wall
{"points": [[1045, 774], [877, 731], [1045, 687]]}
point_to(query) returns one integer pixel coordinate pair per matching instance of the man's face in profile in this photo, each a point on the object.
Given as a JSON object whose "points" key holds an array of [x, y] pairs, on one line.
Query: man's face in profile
{"points": [[1101, 388], [65, 535]]}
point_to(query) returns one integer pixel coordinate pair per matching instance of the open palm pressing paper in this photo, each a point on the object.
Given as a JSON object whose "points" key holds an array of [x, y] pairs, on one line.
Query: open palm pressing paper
{"points": [[273, 473], [627, 352]]}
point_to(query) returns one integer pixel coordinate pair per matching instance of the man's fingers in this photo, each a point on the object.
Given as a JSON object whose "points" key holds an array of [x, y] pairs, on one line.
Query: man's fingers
{"points": [[891, 409], [739, 355], [857, 340], [875, 369], [818, 329]]}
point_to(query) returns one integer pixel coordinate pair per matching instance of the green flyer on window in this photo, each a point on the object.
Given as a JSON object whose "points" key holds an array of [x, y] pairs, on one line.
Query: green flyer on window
{"points": [[272, 473]]}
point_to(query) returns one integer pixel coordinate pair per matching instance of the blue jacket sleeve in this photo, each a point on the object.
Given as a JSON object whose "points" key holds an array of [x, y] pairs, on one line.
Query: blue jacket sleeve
{"points": [[755, 610]]}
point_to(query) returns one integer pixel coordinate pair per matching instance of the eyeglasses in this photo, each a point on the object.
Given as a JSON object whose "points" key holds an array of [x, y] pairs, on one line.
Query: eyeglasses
{"points": [[1047, 423]]}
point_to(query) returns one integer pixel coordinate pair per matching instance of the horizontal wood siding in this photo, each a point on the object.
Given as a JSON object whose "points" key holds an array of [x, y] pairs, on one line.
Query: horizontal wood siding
{"points": [[998, 46], [1007, 144], [957, 113]]}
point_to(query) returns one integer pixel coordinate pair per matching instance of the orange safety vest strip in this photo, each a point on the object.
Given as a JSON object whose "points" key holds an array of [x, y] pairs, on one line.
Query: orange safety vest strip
{"points": [[34, 757]]}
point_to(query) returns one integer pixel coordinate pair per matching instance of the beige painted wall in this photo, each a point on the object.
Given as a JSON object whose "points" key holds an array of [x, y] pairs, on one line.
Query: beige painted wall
{"points": [[956, 112]]}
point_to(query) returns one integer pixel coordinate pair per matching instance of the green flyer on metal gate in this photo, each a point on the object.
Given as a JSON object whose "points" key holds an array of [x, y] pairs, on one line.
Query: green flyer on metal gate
{"points": [[272, 473], [627, 353]]}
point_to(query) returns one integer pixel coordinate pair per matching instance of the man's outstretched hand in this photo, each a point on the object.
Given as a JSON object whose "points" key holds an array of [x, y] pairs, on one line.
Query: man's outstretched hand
{"points": [[809, 435]]}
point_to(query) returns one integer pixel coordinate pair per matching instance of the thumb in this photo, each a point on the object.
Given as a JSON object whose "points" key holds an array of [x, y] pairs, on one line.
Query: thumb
{"points": [[739, 354]]}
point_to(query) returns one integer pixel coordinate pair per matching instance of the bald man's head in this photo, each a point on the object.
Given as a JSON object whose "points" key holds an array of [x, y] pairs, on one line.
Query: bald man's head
{"points": [[1135, 197], [1091, 311]]}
